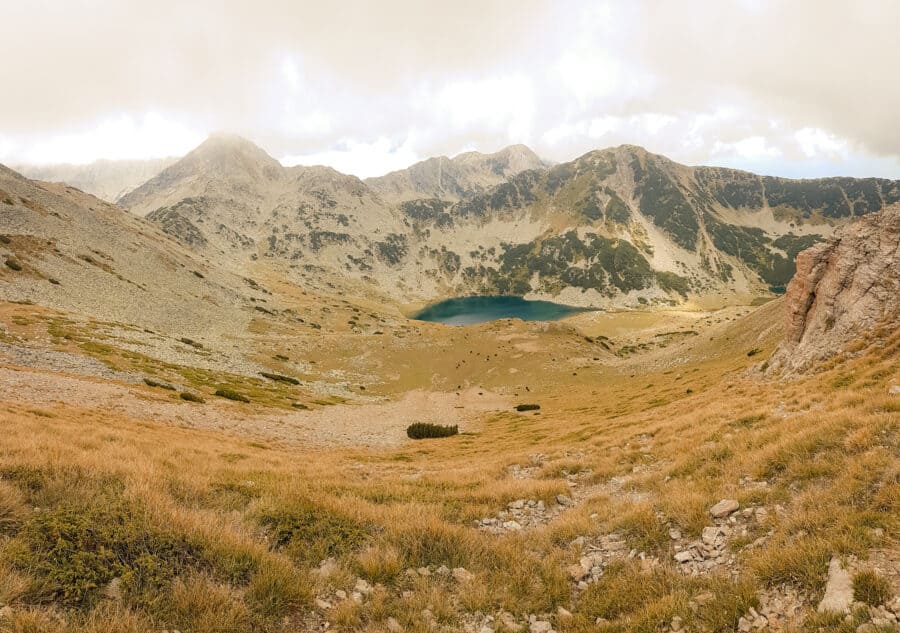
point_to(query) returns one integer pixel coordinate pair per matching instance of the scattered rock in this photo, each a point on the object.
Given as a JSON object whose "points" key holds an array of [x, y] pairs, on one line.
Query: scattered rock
{"points": [[327, 567], [838, 590], [462, 575], [113, 590], [540, 626], [724, 508], [324, 605], [509, 622], [394, 626]]}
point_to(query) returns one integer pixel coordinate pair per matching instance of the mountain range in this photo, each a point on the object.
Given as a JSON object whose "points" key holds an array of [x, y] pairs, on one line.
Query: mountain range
{"points": [[618, 227]]}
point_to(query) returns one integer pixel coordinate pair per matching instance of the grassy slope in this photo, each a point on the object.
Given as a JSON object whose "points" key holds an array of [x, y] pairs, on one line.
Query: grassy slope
{"points": [[213, 533]]}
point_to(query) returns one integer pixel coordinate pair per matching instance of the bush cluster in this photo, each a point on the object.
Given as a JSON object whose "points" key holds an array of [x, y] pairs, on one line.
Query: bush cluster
{"points": [[231, 395], [279, 378], [422, 430]]}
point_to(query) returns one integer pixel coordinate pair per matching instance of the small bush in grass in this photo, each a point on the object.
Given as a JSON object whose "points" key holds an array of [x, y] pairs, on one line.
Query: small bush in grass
{"points": [[231, 395], [279, 378], [152, 383], [190, 397], [871, 588], [422, 430], [13, 264], [278, 590], [527, 407], [379, 564], [191, 342], [310, 532], [74, 551]]}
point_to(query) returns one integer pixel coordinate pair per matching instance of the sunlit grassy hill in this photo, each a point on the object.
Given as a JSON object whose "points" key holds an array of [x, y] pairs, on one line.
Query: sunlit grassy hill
{"points": [[577, 515]]}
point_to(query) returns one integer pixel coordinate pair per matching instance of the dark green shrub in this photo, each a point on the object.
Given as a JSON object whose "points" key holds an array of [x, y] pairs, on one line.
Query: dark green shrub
{"points": [[300, 405], [152, 383], [191, 342], [5, 239], [53, 281], [190, 397], [279, 378], [871, 588], [422, 430], [527, 407], [11, 263], [224, 392]]}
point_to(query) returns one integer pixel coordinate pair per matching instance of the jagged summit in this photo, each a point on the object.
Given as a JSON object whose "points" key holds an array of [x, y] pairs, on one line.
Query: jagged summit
{"points": [[458, 177]]}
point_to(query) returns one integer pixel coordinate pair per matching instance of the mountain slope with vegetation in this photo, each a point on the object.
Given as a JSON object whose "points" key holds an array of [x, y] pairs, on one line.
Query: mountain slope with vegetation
{"points": [[614, 228], [193, 441]]}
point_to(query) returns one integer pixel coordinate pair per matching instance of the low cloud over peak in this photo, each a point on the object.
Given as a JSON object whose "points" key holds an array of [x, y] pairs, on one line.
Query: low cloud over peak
{"points": [[798, 89]]}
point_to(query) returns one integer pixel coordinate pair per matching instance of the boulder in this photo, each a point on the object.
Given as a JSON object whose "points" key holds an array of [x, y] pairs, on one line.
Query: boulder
{"points": [[838, 589], [724, 508]]}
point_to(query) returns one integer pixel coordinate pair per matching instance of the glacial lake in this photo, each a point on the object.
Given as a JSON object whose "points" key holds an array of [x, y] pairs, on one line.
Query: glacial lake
{"points": [[470, 310]]}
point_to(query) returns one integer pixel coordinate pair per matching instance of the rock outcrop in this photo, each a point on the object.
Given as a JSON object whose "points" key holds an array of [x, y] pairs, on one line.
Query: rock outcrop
{"points": [[842, 287]]}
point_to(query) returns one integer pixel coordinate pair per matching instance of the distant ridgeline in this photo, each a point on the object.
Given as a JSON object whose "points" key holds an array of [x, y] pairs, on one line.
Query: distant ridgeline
{"points": [[615, 227]]}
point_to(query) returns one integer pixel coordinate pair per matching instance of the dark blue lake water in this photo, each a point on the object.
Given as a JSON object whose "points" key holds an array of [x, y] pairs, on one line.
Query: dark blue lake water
{"points": [[469, 310]]}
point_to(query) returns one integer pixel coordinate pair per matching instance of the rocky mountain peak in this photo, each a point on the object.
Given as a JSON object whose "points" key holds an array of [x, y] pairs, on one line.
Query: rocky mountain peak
{"points": [[842, 287], [225, 152]]}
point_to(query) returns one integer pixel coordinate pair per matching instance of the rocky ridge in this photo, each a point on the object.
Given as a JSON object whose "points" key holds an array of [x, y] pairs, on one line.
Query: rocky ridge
{"points": [[619, 227], [843, 287]]}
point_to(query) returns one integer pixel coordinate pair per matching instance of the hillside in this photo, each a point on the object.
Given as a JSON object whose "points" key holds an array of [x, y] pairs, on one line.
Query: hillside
{"points": [[187, 448], [614, 228], [106, 179]]}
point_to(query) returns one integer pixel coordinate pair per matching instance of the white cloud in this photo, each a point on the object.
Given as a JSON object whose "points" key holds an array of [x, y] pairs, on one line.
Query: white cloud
{"points": [[816, 142], [360, 159], [503, 104], [121, 137], [752, 147], [745, 83]]}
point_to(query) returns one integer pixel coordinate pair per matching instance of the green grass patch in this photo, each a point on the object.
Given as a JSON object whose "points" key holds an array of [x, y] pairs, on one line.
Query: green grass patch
{"points": [[311, 533]]}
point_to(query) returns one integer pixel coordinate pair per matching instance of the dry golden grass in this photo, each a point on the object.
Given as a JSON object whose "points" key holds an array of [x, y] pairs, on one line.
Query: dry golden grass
{"points": [[223, 534]]}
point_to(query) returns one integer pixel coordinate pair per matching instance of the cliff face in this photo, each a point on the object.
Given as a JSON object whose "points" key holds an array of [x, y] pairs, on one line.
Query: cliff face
{"points": [[841, 288]]}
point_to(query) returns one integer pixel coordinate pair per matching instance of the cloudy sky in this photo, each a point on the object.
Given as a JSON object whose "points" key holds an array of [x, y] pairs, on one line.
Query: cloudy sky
{"points": [[799, 88]]}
